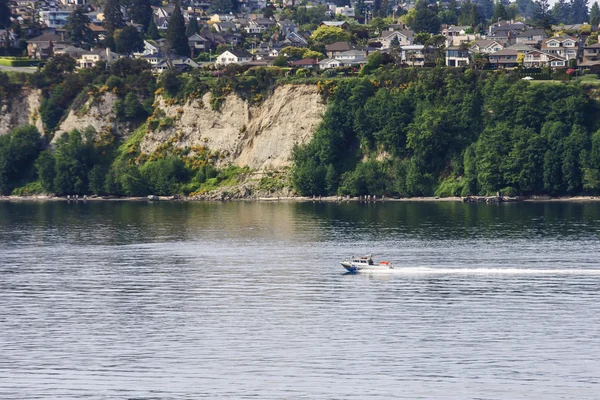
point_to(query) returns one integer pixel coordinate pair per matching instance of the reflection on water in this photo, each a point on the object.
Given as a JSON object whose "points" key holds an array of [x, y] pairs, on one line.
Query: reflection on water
{"points": [[241, 300]]}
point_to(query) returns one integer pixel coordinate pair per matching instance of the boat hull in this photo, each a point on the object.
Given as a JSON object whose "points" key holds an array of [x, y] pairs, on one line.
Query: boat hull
{"points": [[354, 268]]}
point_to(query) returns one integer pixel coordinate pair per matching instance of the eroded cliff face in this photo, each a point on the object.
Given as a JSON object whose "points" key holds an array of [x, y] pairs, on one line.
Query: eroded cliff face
{"points": [[20, 109], [96, 113], [261, 137]]}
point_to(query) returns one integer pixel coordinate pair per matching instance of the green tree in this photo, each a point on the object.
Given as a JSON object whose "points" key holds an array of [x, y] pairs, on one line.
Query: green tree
{"points": [[223, 6], [595, 15], [45, 167], [329, 34], [132, 106], [152, 32], [128, 40], [192, 27], [543, 17], [499, 12], [426, 19], [18, 151], [140, 12], [113, 17], [176, 37], [4, 14], [78, 30], [579, 11]]}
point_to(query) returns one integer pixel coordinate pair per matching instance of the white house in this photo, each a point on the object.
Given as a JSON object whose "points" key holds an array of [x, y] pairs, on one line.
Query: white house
{"points": [[537, 59], [566, 47], [329, 63], [487, 46], [89, 59], [405, 38], [234, 57]]}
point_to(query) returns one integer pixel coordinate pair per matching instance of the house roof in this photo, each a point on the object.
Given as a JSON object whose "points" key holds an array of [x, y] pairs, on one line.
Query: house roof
{"points": [[304, 61], [483, 43], [338, 46], [329, 61], [48, 37], [506, 52], [593, 46], [457, 28], [334, 23], [406, 32], [196, 38], [240, 53], [533, 32], [549, 55]]}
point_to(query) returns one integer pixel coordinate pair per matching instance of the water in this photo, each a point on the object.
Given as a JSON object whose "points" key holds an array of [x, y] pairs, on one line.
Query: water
{"points": [[248, 300]]}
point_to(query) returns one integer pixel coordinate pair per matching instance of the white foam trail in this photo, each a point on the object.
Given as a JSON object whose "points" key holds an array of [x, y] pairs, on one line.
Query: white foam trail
{"points": [[481, 271]]}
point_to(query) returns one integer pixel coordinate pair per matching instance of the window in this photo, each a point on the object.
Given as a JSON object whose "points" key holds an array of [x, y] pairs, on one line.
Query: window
{"points": [[552, 44]]}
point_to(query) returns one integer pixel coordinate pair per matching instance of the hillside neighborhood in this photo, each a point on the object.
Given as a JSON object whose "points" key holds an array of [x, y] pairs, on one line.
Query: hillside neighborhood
{"points": [[308, 35]]}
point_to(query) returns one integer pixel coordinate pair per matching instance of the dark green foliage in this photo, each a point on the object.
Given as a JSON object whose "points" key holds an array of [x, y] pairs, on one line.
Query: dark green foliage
{"points": [[152, 31], [192, 27], [128, 40], [113, 17], [223, 6], [140, 12], [18, 152], [4, 14], [77, 29], [595, 15], [426, 19], [163, 176], [470, 133], [176, 37]]}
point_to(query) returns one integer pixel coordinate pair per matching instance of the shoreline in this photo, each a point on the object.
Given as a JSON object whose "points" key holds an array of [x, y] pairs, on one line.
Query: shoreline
{"points": [[302, 199]]}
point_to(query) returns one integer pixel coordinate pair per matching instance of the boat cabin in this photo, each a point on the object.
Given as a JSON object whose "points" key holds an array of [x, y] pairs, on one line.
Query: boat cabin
{"points": [[368, 260]]}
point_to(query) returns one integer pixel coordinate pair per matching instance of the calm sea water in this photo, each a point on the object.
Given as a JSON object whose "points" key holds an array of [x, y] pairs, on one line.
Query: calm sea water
{"points": [[248, 300]]}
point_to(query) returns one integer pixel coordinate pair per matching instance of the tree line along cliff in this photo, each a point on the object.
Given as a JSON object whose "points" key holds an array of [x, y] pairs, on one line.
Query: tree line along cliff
{"points": [[393, 132]]}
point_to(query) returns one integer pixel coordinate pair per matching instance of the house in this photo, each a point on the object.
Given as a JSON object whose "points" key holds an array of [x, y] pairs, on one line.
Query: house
{"points": [[42, 46], [334, 49], [531, 36], [54, 17], [487, 46], [98, 31], [457, 57], [305, 63], [405, 38], [506, 58], [345, 11], [501, 27], [255, 28], [286, 26], [413, 55], [329, 63], [7, 38], [150, 47], [198, 44], [89, 59], [71, 51], [590, 56], [295, 39], [222, 18], [180, 63], [337, 24], [455, 31], [353, 56], [563, 46], [538, 59], [226, 26], [234, 57]]}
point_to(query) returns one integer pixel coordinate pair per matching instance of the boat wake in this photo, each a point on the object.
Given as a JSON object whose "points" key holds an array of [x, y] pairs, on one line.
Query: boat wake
{"points": [[399, 270]]}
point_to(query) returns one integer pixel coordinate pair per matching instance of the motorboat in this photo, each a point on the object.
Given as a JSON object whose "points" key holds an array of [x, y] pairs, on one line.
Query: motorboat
{"points": [[365, 263]]}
